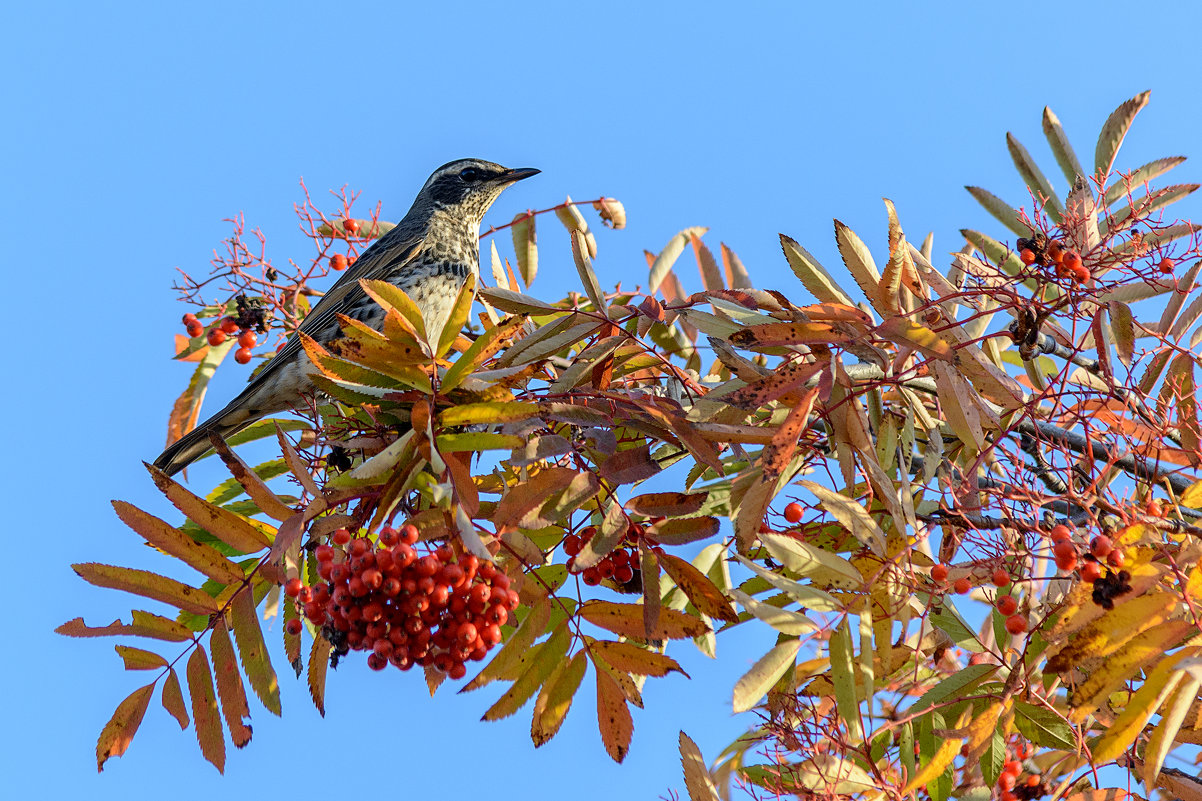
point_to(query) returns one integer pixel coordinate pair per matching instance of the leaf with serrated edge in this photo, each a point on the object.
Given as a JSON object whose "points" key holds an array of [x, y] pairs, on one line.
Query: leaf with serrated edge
{"points": [[627, 620], [256, 488], [804, 594], [1043, 726], [1070, 165], [319, 661], [148, 585], [171, 540], [548, 656], [613, 717], [858, 260], [253, 651], [1114, 130], [807, 560], [459, 314], [223, 524], [555, 699], [708, 599], [812, 274], [628, 657], [204, 709], [515, 647], [1161, 740], [755, 683], [145, 624], [138, 659], [697, 779], [173, 700], [850, 514], [229, 684], [117, 734], [652, 601], [485, 347], [667, 504], [1144, 702], [613, 529], [1034, 178]]}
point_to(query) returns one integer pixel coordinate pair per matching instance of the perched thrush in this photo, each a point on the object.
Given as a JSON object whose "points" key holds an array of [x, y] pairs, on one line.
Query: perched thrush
{"points": [[429, 255]]}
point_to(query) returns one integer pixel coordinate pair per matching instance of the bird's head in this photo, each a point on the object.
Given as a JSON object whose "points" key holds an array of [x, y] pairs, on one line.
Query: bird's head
{"points": [[467, 187]]}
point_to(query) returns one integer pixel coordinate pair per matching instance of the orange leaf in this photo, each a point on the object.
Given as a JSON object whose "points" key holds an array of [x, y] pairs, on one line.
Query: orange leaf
{"points": [[777, 334], [465, 486], [169, 539], [181, 344], [148, 585], [145, 625], [684, 530], [613, 717], [173, 699], [627, 620], [204, 709], [223, 524], [649, 568], [629, 466], [708, 599], [122, 726], [258, 491], [779, 382], [529, 496], [253, 651], [630, 658], [229, 684]]}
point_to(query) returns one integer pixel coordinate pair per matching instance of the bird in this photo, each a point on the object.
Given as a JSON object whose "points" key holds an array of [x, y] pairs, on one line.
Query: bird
{"points": [[428, 255]]}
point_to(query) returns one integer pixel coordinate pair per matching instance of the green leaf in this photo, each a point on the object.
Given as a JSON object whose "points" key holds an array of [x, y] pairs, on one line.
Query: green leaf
{"points": [[955, 685], [1114, 130], [755, 683], [813, 275], [843, 676], [1043, 727], [1034, 178], [1070, 165], [1000, 209]]}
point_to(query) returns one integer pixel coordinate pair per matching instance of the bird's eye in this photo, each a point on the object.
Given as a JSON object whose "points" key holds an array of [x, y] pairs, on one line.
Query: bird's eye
{"points": [[471, 175]]}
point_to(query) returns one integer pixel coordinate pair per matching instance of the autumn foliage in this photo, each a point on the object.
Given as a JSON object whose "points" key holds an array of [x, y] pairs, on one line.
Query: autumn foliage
{"points": [[960, 490]]}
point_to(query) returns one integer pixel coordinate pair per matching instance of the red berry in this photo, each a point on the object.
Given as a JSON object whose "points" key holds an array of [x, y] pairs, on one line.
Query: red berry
{"points": [[292, 587], [376, 662], [606, 568], [1071, 260], [341, 536], [592, 577], [1000, 578], [323, 552], [294, 626], [623, 574], [939, 573], [1007, 605], [1154, 509], [243, 356], [1016, 624], [190, 318], [793, 512], [1166, 266], [248, 339], [338, 262], [229, 325], [350, 226], [1067, 562], [1013, 767], [1091, 572], [1061, 533], [456, 671], [216, 337], [572, 544], [1100, 546], [409, 534], [1007, 796], [1006, 781], [389, 536], [962, 586], [359, 546], [1064, 548], [1027, 256], [1080, 273], [1055, 252], [1115, 558], [195, 329]]}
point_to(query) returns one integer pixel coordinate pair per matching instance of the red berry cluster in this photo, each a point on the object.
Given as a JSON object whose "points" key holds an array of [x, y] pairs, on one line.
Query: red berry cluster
{"points": [[339, 262], [225, 328], [404, 607], [1050, 253], [621, 565]]}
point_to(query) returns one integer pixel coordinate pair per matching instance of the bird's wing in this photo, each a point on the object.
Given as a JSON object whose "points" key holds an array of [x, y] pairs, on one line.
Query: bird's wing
{"points": [[397, 247]]}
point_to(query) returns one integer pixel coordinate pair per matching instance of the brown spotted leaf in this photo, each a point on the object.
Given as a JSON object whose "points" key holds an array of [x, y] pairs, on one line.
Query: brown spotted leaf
{"points": [[706, 597], [145, 625], [122, 726], [627, 620], [529, 496], [613, 717], [229, 684], [171, 540], [667, 504], [253, 651], [629, 466], [628, 657], [682, 530], [768, 335], [204, 709], [148, 585], [232, 529]]}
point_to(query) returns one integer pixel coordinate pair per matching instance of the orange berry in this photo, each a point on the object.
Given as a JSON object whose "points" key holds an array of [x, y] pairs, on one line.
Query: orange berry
{"points": [[1007, 605], [1064, 548], [1080, 273], [1061, 533], [1013, 767], [248, 339], [216, 337], [229, 325], [962, 586], [1027, 256], [243, 355], [1000, 578], [195, 329], [1154, 509], [1006, 782], [350, 226], [338, 262], [793, 512], [1115, 558], [1100, 546], [1067, 562], [939, 573], [1166, 266], [190, 318], [341, 536], [1032, 781], [1055, 252], [1091, 572], [1016, 624], [1071, 260]]}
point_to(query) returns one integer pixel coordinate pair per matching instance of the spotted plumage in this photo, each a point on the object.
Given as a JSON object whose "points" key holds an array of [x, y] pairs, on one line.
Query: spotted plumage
{"points": [[429, 255]]}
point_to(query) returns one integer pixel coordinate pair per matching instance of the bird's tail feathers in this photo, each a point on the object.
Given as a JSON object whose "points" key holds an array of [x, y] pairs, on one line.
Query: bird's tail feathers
{"points": [[195, 443]]}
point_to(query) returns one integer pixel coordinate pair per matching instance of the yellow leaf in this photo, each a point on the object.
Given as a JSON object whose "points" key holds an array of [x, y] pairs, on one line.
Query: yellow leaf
{"points": [[492, 412], [541, 664], [627, 620], [613, 717], [1107, 634], [753, 685], [168, 538], [148, 585], [706, 597], [173, 699], [556, 698], [1147, 647], [697, 779], [122, 726], [234, 530], [253, 651], [204, 710], [1162, 739], [516, 647], [631, 658]]}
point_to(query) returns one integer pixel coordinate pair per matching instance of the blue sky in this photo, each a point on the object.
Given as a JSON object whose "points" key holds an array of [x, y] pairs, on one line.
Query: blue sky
{"points": [[132, 130]]}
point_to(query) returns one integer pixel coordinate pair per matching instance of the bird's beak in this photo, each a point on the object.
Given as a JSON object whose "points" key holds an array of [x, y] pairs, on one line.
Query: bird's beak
{"points": [[519, 174]]}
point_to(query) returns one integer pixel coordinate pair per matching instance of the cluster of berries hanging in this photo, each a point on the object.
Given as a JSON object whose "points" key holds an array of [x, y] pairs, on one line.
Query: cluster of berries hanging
{"points": [[246, 324], [339, 262], [440, 609], [1046, 252], [621, 566]]}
